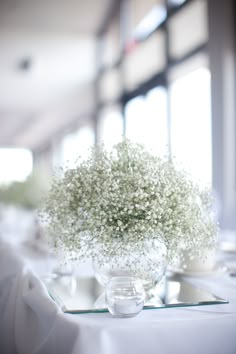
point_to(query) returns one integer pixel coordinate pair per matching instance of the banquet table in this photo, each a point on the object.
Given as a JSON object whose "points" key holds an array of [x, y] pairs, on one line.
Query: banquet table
{"points": [[32, 323]]}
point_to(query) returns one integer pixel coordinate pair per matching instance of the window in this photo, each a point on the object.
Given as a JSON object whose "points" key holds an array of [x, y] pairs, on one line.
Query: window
{"points": [[191, 142], [151, 20], [76, 145], [188, 28], [146, 120], [16, 165], [164, 90], [110, 127], [145, 60], [144, 17]]}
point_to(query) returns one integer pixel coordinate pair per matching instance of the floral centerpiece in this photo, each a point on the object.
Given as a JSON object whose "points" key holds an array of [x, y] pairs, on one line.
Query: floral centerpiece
{"points": [[115, 202]]}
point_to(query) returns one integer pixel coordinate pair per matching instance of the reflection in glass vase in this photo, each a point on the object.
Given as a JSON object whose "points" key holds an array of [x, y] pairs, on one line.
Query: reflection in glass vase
{"points": [[148, 265]]}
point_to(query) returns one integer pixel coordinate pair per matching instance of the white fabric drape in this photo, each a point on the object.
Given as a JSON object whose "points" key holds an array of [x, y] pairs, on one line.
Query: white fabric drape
{"points": [[30, 323]]}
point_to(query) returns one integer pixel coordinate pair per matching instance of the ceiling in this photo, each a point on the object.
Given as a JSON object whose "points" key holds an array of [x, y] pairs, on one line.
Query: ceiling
{"points": [[47, 54]]}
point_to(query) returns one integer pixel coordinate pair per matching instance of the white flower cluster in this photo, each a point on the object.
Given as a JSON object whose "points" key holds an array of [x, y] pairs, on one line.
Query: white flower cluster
{"points": [[113, 202]]}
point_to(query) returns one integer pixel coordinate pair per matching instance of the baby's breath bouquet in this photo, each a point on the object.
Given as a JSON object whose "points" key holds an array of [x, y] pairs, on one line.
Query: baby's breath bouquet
{"points": [[111, 204]]}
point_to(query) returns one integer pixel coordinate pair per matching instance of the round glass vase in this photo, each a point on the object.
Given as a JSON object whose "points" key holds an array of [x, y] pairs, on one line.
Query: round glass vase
{"points": [[148, 264]]}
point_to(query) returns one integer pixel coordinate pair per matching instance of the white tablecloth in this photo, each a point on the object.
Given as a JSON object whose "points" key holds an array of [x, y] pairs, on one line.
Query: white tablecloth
{"points": [[31, 323]]}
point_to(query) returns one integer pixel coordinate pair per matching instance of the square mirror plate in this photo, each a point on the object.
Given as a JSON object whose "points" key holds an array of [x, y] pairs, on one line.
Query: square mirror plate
{"points": [[86, 295]]}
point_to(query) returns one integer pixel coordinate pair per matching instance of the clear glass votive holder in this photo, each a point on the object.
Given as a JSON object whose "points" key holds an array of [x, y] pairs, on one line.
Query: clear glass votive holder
{"points": [[125, 296]]}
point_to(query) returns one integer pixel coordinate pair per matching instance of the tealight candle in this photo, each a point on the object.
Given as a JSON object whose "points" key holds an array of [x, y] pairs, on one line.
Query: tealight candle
{"points": [[125, 296], [125, 306]]}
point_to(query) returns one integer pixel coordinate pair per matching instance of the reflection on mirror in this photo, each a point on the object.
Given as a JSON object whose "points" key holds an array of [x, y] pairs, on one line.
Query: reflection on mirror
{"points": [[85, 294]]}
